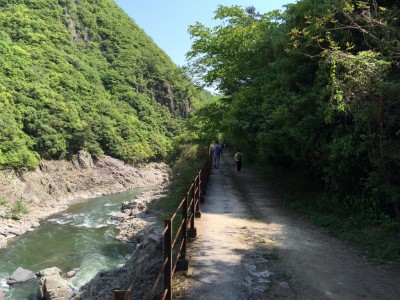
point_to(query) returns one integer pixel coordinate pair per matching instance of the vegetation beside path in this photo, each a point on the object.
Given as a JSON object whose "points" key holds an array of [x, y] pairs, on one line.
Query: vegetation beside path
{"points": [[376, 239], [186, 163]]}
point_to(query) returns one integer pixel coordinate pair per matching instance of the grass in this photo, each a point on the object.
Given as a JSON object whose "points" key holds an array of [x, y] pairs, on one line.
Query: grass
{"points": [[378, 239], [16, 211], [266, 248], [3, 202], [184, 170], [264, 240], [19, 207]]}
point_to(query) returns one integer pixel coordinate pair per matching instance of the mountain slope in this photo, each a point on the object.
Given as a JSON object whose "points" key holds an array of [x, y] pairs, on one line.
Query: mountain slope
{"points": [[82, 75]]}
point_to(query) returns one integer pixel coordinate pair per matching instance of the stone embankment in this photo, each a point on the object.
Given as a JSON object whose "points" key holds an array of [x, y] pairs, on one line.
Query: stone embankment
{"points": [[56, 184]]}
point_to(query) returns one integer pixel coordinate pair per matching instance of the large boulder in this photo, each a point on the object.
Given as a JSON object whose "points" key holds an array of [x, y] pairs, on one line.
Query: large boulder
{"points": [[53, 287], [85, 159], [3, 241], [54, 271], [20, 275]]}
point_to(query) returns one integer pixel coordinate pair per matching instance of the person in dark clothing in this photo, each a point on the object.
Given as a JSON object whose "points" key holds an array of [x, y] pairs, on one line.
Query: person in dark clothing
{"points": [[238, 159], [217, 154]]}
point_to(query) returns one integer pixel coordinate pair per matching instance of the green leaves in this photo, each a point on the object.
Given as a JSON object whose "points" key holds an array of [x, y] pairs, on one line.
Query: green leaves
{"points": [[355, 77], [82, 75], [224, 54], [314, 91], [15, 145]]}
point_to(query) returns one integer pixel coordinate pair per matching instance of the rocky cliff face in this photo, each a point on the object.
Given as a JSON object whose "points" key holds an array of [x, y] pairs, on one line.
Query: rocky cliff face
{"points": [[54, 184]]}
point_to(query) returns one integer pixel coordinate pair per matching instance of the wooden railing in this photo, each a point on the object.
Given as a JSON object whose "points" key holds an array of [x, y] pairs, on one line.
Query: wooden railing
{"points": [[175, 241]]}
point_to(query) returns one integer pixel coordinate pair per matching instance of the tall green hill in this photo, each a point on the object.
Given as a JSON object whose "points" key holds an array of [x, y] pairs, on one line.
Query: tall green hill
{"points": [[82, 75]]}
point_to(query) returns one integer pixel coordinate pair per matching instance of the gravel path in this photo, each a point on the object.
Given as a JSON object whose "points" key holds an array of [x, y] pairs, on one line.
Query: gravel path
{"points": [[249, 246]]}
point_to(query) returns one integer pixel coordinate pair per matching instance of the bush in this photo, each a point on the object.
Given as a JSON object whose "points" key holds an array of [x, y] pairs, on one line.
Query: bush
{"points": [[17, 210]]}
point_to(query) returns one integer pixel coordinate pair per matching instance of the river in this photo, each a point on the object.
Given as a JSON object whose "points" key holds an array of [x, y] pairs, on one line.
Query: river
{"points": [[80, 238]]}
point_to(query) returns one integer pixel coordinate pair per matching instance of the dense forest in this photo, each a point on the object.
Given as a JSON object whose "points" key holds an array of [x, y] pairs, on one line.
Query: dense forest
{"points": [[315, 91], [82, 75]]}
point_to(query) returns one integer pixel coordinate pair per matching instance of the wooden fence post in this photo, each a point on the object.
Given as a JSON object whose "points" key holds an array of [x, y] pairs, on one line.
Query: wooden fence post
{"points": [[192, 232], [197, 193], [183, 263], [185, 225], [120, 294], [168, 259]]}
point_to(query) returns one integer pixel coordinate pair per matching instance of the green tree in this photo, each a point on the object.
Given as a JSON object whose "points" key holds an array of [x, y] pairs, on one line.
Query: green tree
{"points": [[313, 91], [82, 75]]}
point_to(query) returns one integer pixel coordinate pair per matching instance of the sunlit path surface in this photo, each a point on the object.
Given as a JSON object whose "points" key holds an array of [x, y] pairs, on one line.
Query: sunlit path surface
{"points": [[250, 246]]}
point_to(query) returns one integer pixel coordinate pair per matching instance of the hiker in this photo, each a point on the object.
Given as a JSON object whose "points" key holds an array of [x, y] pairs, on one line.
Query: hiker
{"points": [[225, 147], [211, 151], [217, 154], [238, 159]]}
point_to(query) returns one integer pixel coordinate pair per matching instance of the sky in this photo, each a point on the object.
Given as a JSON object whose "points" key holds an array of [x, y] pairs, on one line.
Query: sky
{"points": [[167, 21]]}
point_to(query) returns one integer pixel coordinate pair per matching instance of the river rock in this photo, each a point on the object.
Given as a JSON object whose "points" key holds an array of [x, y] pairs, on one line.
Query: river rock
{"points": [[3, 211], [85, 159], [20, 275], [2, 297], [54, 271], [70, 274], [126, 205], [153, 238], [3, 241], [119, 216], [53, 287], [14, 231]]}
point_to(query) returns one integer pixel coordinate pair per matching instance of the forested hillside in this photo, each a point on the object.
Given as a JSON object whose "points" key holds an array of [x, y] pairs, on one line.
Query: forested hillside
{"points": [[82, 75], [314, 90]]}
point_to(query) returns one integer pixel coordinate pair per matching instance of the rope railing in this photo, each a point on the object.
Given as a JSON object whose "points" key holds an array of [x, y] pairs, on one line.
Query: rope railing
{"points": [[175, 257]]}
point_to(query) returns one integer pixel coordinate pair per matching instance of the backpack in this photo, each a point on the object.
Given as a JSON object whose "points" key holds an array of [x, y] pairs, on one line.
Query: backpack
{"points": [[239, 156], [218, 150]]}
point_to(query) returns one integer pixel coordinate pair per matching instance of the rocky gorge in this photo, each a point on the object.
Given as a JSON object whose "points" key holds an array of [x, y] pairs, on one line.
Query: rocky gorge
{"points": [[53, 185], [56, 184]]}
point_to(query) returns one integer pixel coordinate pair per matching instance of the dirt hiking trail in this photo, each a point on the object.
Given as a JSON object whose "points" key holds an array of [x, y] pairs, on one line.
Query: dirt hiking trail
{"points": [[249, 246]]}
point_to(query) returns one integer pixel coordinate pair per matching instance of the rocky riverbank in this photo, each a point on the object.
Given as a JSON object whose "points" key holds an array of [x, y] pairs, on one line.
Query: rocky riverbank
{"points": [[137, 225], [56, 184]]}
